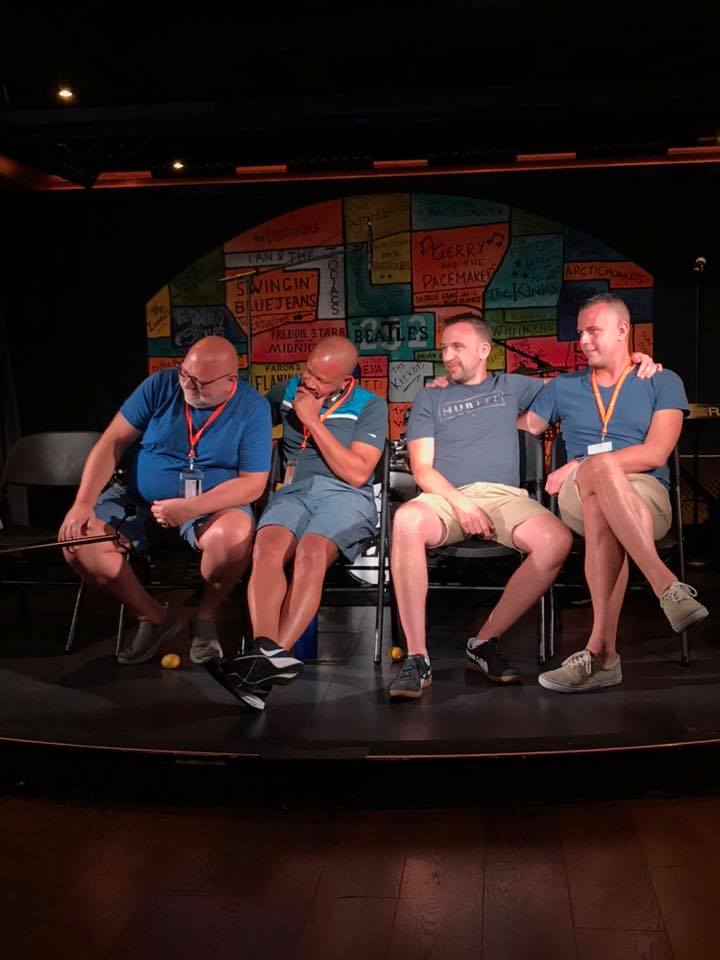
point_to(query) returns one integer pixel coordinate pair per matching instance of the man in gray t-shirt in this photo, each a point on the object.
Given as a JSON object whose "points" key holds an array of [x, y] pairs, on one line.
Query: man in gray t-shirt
{"points": [[463, 447]]}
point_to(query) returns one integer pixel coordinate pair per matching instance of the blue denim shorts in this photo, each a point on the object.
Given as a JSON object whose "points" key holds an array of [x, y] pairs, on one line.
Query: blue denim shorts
{"points": [[143, 530], [325, 506]]}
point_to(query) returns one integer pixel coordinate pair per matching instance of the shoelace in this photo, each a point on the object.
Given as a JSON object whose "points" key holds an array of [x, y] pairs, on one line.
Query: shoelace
{"points": [[410, 667], [679, 591], [580, 661]]}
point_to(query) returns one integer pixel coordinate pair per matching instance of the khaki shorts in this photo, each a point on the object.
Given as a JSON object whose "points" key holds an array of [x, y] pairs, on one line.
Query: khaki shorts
{"points": [[507, 508], [652, 492]]}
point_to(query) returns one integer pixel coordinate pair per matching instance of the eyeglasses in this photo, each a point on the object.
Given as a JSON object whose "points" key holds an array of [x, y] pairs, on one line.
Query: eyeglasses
{"points": [[200, 384]]}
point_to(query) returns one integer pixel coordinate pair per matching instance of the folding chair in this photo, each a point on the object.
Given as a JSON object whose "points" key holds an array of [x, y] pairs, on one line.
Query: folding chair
{"points": [[36, 462], [670, 548], [459, 558]]}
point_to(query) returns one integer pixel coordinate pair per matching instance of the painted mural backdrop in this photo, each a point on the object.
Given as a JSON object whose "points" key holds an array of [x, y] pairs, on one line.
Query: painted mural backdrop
{"points": [[386, 270]]}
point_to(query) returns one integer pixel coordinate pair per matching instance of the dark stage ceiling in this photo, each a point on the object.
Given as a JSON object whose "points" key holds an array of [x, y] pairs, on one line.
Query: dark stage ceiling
{"points": [[318, 85]]}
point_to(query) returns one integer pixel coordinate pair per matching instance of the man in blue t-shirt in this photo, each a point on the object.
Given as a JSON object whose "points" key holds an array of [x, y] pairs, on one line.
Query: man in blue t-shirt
{"points": [[199, 444], [333, 434], [619, 432]]}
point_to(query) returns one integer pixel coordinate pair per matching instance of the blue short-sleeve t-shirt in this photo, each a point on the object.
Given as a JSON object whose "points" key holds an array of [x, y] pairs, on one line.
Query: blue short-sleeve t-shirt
{"points": [[474, 427], [240, 440], [569, 398]]}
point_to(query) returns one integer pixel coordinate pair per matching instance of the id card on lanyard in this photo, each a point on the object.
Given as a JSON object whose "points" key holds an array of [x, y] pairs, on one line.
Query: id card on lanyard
{"points": [[191, 479], [605, 445]]}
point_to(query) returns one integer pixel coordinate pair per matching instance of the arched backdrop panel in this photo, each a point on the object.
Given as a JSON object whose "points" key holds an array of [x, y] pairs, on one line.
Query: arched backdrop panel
{"points": [[386, 270]]}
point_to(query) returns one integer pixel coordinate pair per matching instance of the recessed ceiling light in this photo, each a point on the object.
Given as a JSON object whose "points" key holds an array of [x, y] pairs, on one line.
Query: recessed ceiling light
{"points": [[65, 93], [178, 165]]}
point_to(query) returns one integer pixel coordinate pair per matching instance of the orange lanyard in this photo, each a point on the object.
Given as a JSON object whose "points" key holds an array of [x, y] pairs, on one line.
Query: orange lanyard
{"points": [[330, 409], [606, 415], [194, 438]]}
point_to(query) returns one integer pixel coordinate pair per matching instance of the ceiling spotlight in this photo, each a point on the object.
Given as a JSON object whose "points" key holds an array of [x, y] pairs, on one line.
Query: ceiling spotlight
{"points": [[177, 165], [66, 94]]}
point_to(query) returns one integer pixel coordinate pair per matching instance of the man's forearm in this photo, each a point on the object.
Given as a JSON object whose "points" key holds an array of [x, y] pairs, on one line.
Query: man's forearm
{"points": [[345, 464], [99, 468], [431, 480], [640, 458], [230, 493]]}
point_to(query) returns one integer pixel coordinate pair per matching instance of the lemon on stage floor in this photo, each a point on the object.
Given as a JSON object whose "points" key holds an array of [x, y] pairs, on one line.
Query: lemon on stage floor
{"points": [[170, 661], [396, 653]]}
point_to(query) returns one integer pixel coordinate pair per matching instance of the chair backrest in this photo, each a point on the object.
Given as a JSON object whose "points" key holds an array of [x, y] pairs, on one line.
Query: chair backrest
{"points": [[532, 463], [48, 459]]}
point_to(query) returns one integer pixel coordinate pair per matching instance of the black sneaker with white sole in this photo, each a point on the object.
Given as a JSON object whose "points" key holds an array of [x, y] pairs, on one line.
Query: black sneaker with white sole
{"points": [[265, 662], [221, 670], [484, 658], [414, 676]]}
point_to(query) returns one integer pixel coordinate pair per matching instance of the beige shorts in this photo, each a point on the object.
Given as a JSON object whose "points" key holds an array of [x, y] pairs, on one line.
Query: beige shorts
{"points": [[507, 508], [652, 492]]}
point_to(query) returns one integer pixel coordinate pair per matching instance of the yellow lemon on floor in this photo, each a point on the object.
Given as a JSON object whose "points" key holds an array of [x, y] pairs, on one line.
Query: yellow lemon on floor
{"points": [[171, 661], [396, 654]]}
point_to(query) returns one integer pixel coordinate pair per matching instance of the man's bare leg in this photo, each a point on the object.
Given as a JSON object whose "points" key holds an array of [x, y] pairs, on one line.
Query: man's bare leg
{"points": [[313, 555], [105, 566], [606, 572], [626, 514], [225, 540], [415, 528], [546, 541], [274, 547]]}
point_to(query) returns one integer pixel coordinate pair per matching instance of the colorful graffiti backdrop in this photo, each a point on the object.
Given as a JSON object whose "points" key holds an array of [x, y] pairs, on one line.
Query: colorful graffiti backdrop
{"points": [[386, 270]]}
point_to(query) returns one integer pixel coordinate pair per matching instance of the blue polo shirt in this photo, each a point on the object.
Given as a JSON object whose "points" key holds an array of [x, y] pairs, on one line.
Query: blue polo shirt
{"points": [[240, 440], [569, 398], [362, 418]]}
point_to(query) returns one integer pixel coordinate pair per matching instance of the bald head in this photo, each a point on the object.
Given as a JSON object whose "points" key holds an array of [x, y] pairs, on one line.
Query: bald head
{"points": [[212, 350], [208, 374], [329, 367]]}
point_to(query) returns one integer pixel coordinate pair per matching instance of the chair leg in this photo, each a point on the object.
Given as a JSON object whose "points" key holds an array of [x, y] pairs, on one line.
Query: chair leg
{"points": [[542, 652], [551, 624], [685, 649], [75, 614], [120, 629]]}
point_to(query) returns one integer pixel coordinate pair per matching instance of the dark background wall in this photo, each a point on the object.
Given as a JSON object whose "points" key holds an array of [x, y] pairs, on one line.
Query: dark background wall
{"points": [[77, 268]]}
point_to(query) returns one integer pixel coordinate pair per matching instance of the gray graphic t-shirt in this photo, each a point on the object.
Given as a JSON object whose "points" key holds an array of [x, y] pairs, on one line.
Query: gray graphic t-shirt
{"points": [[474, 427]]}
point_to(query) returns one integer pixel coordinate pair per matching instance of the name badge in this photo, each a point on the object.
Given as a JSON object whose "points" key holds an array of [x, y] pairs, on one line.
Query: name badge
{"points": [[604, 447], [191, 483]]}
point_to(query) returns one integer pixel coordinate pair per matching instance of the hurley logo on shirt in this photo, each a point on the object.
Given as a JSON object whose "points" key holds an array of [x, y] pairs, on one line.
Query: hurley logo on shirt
{"points": [[460, 408]]}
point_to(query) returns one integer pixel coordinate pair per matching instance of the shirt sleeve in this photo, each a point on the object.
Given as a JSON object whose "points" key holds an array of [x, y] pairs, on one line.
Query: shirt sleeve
{"points": [[527, 389], [255, 449], [421, 422], [670, 392], [145, 399], [545, 402], [372, 424]]}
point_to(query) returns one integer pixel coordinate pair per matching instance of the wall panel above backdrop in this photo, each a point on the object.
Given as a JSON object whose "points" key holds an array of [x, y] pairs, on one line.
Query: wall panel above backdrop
{"points": [[386, 270]]}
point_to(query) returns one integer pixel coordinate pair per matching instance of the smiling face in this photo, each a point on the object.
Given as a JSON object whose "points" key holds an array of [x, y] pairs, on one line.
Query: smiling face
{"points": [[603, 334], [208, 373], [464, 352], [329, 368]]}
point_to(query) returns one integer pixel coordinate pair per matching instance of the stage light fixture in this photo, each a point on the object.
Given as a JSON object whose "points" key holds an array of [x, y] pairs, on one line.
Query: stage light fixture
{"points": [[177, 165], [65, 94]]}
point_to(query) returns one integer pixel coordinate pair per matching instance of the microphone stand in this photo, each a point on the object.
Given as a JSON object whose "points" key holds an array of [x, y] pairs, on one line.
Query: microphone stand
{"points": [[697, 561]]}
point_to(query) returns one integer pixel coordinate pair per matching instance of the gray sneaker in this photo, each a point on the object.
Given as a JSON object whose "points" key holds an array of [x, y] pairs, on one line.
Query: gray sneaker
{"points": [[581, 673], [148, 639], [205, 644], [680, 606]]}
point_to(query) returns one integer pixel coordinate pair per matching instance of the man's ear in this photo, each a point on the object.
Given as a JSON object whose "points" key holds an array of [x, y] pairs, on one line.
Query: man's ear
{"points": [[485, 349], [623, 329]]}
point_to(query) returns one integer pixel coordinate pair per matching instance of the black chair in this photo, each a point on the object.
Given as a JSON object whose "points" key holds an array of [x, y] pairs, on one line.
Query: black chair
{"points": [[670, 548], [456, 565], [40, 462]]}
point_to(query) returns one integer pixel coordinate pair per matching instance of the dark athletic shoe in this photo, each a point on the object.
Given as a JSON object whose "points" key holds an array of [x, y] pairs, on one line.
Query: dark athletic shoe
{"points": [[265, 662], [484, 658], [412, 679], [221, 670]]}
